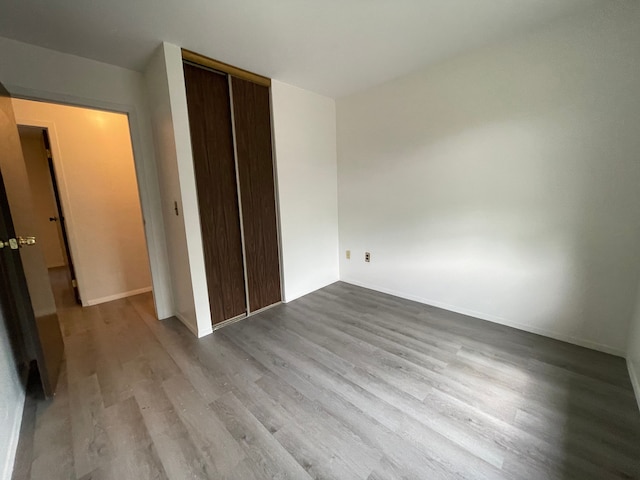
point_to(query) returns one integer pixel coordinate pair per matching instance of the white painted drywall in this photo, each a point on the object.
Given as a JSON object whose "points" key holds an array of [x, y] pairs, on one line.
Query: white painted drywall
{"points": [[44, 204], [167, 98], [94, 166], [304, 125], [504, 184], [34, 72]]}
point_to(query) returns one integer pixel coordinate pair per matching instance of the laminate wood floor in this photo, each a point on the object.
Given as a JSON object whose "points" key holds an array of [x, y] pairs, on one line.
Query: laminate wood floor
{"points": [[344, 383]]}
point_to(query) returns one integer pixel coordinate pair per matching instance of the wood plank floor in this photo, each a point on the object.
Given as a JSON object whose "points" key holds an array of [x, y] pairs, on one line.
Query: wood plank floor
{"points": [[344, 383]]}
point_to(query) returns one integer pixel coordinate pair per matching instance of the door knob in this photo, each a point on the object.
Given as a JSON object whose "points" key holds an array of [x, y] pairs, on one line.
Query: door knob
{"points": [[18, 242], [12, 243], [26, 241], [53, 219]]}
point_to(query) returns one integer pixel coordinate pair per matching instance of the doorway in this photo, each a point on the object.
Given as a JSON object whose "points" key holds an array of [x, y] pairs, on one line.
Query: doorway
{"points": [[89, 219]]}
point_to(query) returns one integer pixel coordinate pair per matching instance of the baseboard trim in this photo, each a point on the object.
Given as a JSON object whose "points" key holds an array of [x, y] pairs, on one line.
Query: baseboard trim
{"points": [[205, 332], [117, 296], [192, 328], [635, 380], [7, 468], [495, 319]]}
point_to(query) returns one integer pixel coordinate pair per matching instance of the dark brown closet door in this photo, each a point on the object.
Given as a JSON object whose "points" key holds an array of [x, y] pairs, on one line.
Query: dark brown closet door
{"points": [[255, 170], [213, 160]]}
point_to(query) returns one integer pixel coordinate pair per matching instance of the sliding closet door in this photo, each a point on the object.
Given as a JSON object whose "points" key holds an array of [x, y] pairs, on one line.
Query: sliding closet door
{"points": [[252, 117], [213, 159]]}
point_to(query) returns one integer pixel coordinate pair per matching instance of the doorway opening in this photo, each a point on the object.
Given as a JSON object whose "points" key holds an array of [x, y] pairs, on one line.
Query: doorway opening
{"points": [[87, 209]]}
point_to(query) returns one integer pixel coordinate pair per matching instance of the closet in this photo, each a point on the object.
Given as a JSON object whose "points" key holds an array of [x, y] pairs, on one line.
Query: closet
{"points": [[230, 126]]}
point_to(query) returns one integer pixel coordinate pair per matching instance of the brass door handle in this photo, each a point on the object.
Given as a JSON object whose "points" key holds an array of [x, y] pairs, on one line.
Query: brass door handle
{"points": [[26, 241], [12, 243], [18, 242]]}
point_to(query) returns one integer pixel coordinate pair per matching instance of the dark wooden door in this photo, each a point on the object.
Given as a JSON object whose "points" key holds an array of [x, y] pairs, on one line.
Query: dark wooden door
{"points": [[252, 115], [212, 143], [27, 301], [10, 308]]}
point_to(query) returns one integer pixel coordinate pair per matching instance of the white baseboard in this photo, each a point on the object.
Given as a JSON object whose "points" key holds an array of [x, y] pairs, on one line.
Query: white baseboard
{"points": [[205, 332], [635, 380], [14, 438], [192, 328], [117, 296], [495, 319]]}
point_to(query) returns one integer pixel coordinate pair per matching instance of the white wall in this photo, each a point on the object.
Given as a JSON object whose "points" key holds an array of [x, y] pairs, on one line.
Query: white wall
{"points": [[44, 204], [34, 72], [167, 97], [505, 183], [94, 166], [304, 125]]}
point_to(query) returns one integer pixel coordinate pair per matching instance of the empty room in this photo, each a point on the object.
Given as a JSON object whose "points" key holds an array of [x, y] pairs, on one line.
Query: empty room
{"points": [[352, 240]]}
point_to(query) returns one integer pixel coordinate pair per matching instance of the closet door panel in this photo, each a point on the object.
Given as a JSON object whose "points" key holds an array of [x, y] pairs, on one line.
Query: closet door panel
{"points": [[212, 143], [252, 116]]}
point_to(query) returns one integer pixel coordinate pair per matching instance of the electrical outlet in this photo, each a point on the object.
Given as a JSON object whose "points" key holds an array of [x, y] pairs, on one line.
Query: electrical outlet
{"points": [[348, 254], [367, 257]]}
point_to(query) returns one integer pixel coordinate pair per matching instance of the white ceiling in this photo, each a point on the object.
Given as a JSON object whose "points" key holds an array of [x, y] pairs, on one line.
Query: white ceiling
{"points": [[333, 47]]}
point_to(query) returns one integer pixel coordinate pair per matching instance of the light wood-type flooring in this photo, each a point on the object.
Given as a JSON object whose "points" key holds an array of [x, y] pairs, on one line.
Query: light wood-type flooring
{"points": [[344, 383]]}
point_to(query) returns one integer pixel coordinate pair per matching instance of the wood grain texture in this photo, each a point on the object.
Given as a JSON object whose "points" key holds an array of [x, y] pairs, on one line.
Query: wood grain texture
{"points": [[252, 116], [344, 383], [214, 165]]}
